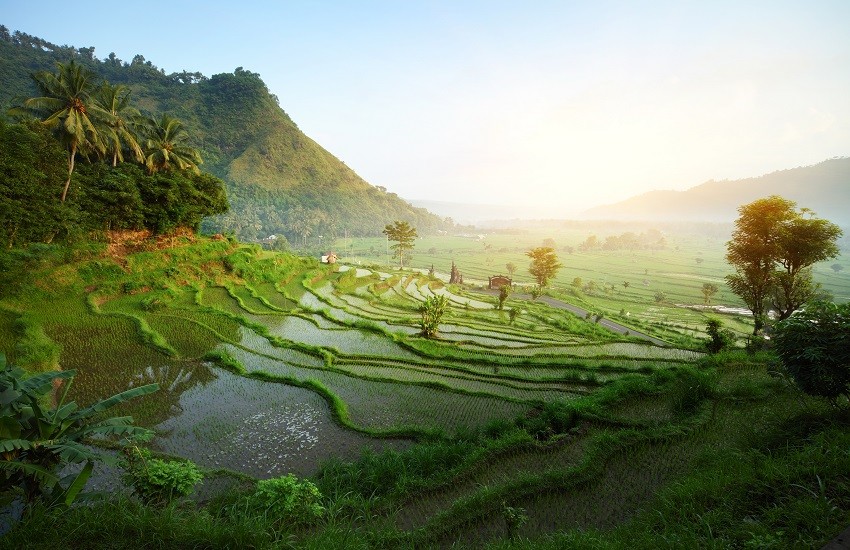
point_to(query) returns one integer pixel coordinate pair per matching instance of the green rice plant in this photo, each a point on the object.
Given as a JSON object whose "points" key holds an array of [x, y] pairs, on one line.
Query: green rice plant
{"points": [[273, 297], [189, 338], [35, 351], [148, 336], [121, 521], [458, 381], [251, 301], [393, 473]]}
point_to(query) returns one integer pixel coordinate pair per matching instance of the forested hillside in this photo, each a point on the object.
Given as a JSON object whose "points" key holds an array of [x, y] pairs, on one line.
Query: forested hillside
{"points": [[278, 180]]}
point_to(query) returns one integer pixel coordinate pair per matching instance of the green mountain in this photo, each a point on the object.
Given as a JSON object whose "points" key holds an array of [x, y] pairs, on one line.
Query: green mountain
{"points": [[279, 181], [824, 188]]}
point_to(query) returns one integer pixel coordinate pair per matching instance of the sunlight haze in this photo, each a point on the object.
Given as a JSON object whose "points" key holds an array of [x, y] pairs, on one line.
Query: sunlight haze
{"points": [[566, 104]]}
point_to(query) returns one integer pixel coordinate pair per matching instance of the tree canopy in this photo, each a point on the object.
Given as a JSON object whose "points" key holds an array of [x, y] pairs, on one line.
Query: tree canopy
{"points": [[404, 236], [98, 124], [544, 264], [772, 249], [31, 175]]}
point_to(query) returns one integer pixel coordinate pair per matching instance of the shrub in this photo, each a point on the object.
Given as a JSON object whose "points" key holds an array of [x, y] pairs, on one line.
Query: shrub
{"points": [[131, 287], [512, 314], [504, 293], [514, 519], [689, 390], [288, 498], [159, 482], [153, 303], [432, 311], [552, 418], [719, 338], [814, 347], [36, 442]]}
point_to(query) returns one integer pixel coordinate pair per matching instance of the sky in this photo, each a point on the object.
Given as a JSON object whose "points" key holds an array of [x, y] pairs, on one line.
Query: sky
{"points": [[558, 105]]}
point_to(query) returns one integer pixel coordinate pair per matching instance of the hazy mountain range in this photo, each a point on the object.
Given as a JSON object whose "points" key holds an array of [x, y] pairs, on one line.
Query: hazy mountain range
{"points": [[824, 188]]}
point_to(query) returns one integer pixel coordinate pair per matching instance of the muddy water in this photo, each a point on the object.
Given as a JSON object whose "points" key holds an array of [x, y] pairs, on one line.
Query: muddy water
{"points": [[260, 428]]}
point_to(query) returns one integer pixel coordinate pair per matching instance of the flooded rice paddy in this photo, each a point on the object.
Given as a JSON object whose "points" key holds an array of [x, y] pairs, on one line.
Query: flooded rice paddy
{"points": [[360, 345]]}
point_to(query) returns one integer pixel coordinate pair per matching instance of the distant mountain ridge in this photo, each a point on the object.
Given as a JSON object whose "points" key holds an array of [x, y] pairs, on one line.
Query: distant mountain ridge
{"points": [[272, 170], [823, 188]]}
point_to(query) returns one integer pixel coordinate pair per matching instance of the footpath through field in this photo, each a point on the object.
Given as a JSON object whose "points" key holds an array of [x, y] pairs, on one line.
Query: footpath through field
{"points": [[559, 304]]}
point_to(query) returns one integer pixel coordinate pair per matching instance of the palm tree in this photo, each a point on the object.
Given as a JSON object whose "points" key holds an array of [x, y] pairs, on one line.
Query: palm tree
{"points": [[167, 147], [66, 107], [118, 131]]}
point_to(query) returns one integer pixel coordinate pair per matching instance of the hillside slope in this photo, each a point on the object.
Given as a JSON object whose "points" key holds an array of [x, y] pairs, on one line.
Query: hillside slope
{"points": [[824, 188], [271, 168]]}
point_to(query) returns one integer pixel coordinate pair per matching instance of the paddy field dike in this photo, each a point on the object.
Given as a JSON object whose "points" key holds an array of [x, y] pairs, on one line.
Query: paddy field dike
{"points": [[538, 428]]}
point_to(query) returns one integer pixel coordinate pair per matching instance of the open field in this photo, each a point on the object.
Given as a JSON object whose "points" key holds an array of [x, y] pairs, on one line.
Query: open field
{"points": [[626, 281]]}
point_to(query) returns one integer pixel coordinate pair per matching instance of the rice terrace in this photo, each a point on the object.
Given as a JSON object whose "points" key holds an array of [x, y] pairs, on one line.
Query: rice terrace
{"points": [[270, 364], [215, 334]]}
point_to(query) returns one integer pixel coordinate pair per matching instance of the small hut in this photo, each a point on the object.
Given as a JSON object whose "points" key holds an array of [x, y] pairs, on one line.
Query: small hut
{"points": [[498, 281], [329, 258]]}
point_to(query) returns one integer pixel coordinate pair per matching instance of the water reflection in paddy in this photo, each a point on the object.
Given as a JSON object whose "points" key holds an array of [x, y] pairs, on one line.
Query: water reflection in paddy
{"points": [[259, 428]]}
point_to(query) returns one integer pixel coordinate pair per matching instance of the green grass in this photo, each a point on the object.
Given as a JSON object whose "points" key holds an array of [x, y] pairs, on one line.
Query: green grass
{"points": [[268, 362], [8, 334]]}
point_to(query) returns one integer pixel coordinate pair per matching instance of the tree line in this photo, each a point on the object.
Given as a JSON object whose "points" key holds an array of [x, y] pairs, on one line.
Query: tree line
{"points": [[81, 157]]}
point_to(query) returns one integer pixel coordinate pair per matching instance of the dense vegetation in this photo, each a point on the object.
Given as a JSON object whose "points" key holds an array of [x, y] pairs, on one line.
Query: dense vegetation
{"points": [[102, 197], [542, 431], [357, 406], [772, 250], [278, 180]]}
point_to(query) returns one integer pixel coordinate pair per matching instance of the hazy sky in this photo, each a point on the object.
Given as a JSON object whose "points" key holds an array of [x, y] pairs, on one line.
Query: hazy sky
{"points": [[567, 104]]}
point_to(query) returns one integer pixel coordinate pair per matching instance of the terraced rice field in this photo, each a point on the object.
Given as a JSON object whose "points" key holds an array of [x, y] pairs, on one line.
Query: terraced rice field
{"points": [[328, 362], [267, 371]]}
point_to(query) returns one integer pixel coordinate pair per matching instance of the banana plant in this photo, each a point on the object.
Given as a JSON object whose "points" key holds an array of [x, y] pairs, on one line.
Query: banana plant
{"points": [[35, 442]]}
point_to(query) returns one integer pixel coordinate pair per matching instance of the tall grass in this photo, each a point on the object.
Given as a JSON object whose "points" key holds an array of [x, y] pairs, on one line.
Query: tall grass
{"points": [[35, 351]]}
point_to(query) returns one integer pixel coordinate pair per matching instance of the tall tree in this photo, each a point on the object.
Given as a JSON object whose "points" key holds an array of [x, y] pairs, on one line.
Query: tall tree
{"points": [[66, 107], [708, 290], [167, 146], [803, 241], [544, 264], [118, 131], [404, 236], [771, 249]]}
